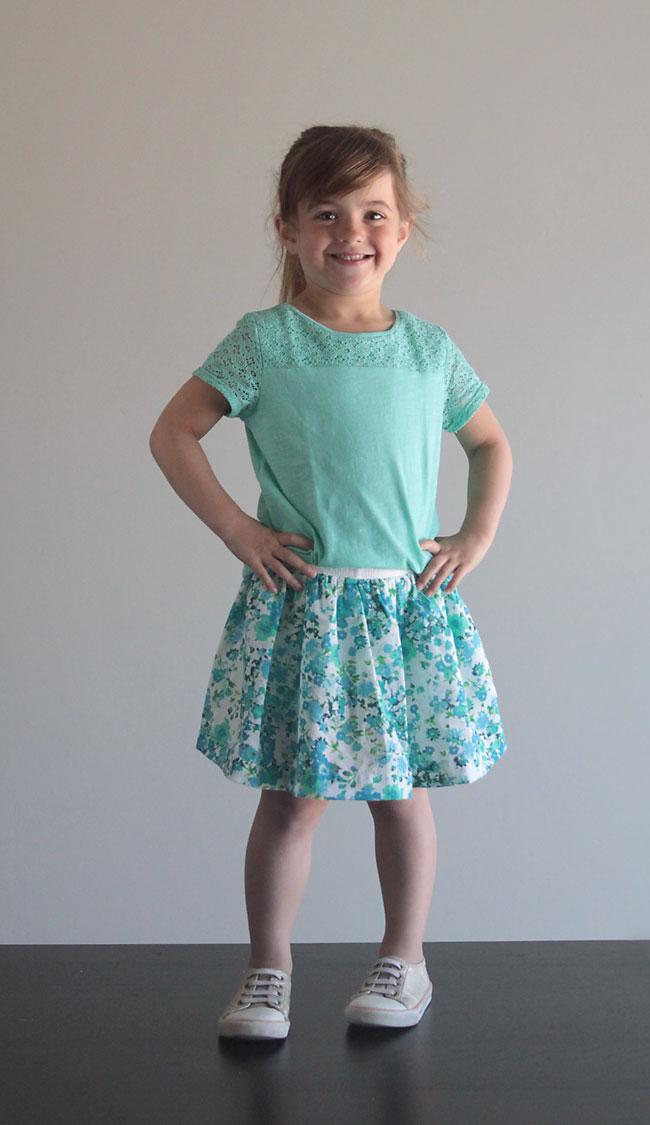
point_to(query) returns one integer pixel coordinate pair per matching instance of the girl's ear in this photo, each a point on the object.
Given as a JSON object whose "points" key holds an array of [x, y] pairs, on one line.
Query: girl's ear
{"points": [[406, 226], [286, 233]]}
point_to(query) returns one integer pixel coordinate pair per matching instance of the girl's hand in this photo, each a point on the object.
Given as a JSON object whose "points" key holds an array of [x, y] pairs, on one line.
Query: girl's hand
{"points": [[457, 553], [260, 546]]}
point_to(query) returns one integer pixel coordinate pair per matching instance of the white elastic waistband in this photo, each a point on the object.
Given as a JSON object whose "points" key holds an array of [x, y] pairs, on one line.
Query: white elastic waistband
{"points": [[360, 572]]}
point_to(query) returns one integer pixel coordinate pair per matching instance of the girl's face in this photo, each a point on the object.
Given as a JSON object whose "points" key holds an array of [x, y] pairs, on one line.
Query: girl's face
{"points": [[362, 222]]}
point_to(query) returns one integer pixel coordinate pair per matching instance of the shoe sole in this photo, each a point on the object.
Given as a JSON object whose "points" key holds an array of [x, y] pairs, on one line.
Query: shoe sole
{"points": [[389, 1017], [254, 1029]]}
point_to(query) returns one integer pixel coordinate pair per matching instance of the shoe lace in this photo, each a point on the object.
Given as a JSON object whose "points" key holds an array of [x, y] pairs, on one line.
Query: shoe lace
{"points": [[384, 977], [264, 987]]}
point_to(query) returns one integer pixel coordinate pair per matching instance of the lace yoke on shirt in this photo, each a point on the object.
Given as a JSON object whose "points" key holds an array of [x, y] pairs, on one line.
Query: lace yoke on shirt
{"points": [[279, 337]]}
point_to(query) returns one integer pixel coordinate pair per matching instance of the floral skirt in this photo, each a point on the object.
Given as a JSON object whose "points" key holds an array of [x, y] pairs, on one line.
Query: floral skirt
{"points": [[358, 687]]}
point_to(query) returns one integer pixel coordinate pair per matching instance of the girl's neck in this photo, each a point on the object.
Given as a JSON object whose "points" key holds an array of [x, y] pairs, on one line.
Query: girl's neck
{"points": [[372, 318]]}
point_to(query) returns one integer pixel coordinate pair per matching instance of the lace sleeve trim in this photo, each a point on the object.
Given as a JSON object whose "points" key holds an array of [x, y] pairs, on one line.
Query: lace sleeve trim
{"points": [[235, 367], [464, 391]]}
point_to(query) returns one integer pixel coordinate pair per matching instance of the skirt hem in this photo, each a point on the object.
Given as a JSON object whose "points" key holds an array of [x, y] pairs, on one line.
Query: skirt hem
{"points": [[367, 793]]}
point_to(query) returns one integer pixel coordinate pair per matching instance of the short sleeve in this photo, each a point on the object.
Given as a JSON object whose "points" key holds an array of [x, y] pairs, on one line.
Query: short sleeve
{"points": [[234, 367], [464, 391]]}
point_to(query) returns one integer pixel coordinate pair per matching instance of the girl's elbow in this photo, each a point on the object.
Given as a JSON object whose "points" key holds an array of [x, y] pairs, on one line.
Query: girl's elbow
{"points": [[156, 441], [501, 441]]}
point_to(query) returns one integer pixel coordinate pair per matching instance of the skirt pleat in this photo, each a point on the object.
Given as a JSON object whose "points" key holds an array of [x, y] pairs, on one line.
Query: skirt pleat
{"points": [[354, 688]]}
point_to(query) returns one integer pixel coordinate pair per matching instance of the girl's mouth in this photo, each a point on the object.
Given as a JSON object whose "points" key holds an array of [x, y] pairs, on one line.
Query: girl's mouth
{"points": [[356, 260]]}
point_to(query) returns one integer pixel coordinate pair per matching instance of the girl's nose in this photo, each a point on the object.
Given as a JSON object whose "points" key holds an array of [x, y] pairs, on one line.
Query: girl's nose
{"points": [[350, 242], [349, 232]]}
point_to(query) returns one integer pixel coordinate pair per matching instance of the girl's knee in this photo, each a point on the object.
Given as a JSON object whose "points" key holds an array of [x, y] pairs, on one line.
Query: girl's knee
{"points": [[401, 809], [390, 810], [288, 811]]}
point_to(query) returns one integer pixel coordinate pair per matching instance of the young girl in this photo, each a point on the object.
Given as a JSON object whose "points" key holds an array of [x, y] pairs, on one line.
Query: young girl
{"points": [[349, 667]]}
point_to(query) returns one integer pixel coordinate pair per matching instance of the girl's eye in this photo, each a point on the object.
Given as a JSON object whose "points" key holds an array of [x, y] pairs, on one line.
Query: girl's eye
{"points": [[328, 213]]}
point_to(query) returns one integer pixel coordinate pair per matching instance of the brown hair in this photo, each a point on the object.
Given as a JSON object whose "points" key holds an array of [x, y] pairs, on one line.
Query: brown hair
{"points": [[333, 160]]}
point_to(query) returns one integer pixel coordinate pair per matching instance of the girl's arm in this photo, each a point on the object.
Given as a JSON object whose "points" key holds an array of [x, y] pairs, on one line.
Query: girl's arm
{"points": [[175, 446], [490, 472]]}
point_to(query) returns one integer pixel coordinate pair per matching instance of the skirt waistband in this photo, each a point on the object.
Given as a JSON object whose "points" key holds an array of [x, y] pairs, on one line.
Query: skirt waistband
{"points": [[360, 572]]}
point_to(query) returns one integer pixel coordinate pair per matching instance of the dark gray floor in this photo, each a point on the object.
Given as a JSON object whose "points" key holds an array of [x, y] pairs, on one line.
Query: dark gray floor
{"points": [[518, 1033]]}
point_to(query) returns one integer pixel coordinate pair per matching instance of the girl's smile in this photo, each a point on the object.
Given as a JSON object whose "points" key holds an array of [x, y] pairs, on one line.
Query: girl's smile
{"points": [[345, 261]]}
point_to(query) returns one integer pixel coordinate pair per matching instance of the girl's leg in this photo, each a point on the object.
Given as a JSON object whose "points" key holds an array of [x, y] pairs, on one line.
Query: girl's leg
{"points": [[278, 858], [406, 850]]}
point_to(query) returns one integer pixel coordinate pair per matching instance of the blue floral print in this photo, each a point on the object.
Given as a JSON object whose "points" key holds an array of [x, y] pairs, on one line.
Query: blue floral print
{"points": [[350, 689]]}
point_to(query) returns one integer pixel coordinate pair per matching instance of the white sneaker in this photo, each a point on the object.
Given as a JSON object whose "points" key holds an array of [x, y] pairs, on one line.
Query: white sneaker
{"points": [[260, 1007], [394, 994]]}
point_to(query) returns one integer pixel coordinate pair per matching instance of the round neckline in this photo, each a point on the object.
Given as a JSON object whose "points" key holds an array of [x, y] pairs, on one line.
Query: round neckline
{"points": [[339, 332]]}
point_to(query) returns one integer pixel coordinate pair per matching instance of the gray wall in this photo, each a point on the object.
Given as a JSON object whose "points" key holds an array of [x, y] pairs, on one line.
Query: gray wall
{"points": [[140, 145]]}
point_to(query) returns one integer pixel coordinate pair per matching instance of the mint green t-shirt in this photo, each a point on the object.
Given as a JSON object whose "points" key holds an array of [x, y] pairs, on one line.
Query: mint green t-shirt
{"points": [[344, 429]]}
